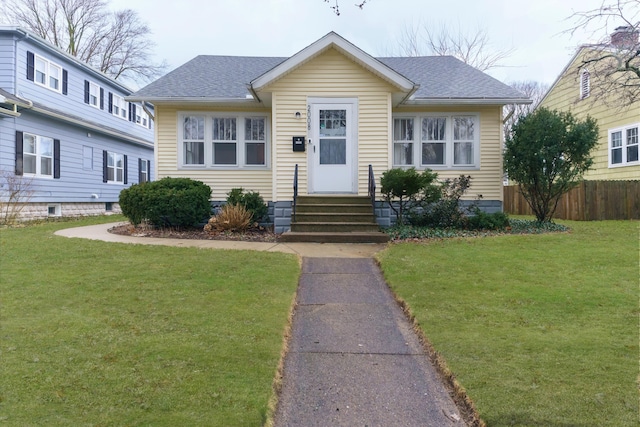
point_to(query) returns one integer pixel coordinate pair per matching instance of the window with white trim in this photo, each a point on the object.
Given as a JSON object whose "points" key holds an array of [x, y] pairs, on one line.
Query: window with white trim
{"points": [[222, 140], [115, 168], [623, 146], [446, 141], [37, 155], [94, 95], [119, 107], [141, 117], [585, 83], [48, 74], [403, 141]]}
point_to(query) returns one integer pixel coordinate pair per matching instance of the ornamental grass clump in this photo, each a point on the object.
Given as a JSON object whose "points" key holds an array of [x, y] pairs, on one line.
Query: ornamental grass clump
{"points": [[230, 218]]}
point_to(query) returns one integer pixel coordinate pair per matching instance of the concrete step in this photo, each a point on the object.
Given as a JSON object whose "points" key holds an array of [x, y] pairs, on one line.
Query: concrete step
{"points": [[332, 217], [334, 227], [364, 208], [341, 237], [333, 199]]}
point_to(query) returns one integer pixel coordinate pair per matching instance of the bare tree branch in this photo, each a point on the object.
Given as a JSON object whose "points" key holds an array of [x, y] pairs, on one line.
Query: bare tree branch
{"points": [[116, 43], [614, 61], [336, 5], [473, 47]]}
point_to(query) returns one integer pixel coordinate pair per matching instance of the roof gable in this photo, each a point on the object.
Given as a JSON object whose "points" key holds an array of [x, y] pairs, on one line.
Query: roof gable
{"points": [[333, 40]]}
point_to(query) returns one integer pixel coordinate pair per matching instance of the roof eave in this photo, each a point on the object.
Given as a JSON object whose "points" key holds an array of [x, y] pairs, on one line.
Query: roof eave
{"points": [[190, 100], [467, 101]]}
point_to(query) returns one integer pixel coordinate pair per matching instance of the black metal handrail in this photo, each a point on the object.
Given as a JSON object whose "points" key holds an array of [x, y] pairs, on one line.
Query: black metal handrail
{"points": [[295, 192], [372, 189]]}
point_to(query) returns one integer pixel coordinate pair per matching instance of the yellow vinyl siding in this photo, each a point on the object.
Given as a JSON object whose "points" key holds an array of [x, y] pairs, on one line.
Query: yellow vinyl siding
{"points": [[565, 96], [220, 181], [486, 181], [331, 74]]}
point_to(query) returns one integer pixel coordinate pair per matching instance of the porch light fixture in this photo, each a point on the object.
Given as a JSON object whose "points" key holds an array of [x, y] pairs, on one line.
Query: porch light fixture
{"points": [[298, 115]]}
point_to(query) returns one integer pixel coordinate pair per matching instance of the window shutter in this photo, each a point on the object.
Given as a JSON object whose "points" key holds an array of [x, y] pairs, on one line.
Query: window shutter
{"points": [[19, 151], [31, 69], [104, 165], [125, 169], [101, 98], [86, 91], [140, 170], [148, 170], [65, 81], [56, 158], [110, 102]]}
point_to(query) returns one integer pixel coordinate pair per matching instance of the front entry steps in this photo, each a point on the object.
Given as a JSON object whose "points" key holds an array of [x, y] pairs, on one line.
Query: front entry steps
{"points": [[334, 219]]}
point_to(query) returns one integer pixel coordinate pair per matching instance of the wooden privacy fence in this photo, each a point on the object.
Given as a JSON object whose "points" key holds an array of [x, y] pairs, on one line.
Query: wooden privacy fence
{"points": [[589, 201]]}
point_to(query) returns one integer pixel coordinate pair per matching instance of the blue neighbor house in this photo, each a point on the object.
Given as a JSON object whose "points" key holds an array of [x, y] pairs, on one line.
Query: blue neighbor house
{"points": [[68, 139]]}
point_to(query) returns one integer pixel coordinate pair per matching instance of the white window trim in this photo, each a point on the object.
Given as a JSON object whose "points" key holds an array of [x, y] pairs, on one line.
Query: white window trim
{"points": [[115, 167], [57, 210], [38, 156], [121, 104], [449, 142], [93, 85], [623, 147], [47, 73], [240, 140]]}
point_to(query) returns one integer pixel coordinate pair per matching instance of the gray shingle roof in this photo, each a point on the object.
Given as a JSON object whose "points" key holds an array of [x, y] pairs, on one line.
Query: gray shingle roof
{"points": [[439, 77]]}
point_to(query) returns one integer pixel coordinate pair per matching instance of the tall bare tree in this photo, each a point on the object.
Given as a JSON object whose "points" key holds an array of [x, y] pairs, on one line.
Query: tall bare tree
{"points": [[614, 62], [117, 43], [472, 46]]}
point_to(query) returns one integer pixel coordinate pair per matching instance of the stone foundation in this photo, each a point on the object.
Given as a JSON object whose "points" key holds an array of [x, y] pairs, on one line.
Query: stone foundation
{"points": [[34, 211]]}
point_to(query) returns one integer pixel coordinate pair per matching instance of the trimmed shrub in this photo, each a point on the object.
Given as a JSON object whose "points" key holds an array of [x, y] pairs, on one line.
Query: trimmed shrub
{"points": [[251, 201], [409, 187], [169, 202]]}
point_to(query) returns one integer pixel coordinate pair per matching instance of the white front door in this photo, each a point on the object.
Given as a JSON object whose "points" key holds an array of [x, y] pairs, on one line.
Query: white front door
{"points": [[333, 147]]}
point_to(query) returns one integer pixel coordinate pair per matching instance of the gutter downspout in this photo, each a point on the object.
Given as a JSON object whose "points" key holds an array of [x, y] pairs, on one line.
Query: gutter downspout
{"points": [[511, 113]]}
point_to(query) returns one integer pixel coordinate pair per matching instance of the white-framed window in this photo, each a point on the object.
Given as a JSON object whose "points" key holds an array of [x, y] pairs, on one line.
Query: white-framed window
{"points": [[447, 141], [255, 137], [585, 83], [119, 107], [141, 117], [94, 95], [54, 209], [623, 146], [115, 168], [47, 74], [223, 140], [144, 167], [403, 146], [37, 155]]}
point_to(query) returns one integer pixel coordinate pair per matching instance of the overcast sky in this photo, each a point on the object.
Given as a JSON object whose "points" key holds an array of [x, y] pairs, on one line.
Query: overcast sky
{"points": [[534, 29]]}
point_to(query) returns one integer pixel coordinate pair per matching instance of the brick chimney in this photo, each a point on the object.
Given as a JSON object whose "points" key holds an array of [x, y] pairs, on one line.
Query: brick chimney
{"points": [[625, 37]]}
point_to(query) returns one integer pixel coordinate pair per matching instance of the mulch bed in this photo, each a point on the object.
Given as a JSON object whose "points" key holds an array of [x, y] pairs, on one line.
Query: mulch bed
{"points": [[254, 234]]}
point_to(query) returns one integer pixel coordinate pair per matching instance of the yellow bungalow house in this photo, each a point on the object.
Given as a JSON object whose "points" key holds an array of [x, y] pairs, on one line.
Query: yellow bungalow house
{"points": [[330, 118], [576, 90]]}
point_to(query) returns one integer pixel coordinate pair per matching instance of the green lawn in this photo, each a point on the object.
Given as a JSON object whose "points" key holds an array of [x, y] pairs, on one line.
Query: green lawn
{"points": [[542, 330], [95, 333]]}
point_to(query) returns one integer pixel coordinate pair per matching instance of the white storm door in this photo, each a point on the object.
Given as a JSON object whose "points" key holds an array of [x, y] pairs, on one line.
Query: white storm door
{"points": [[332, 148]]}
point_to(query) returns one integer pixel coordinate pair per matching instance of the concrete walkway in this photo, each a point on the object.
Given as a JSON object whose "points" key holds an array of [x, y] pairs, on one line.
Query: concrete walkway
{"points": [[352, 250], [353, 358]]}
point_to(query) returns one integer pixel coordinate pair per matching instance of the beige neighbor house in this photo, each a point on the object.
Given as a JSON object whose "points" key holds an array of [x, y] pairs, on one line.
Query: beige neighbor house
{"points": [[576, 90], [337, 115]]}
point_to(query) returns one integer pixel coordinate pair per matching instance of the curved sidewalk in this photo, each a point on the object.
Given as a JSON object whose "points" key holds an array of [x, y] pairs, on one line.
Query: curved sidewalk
{"points": [[329, 250]]}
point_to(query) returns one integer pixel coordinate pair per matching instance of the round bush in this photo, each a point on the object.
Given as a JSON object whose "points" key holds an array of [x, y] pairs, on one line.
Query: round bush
{"points": [[169, 202]]}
